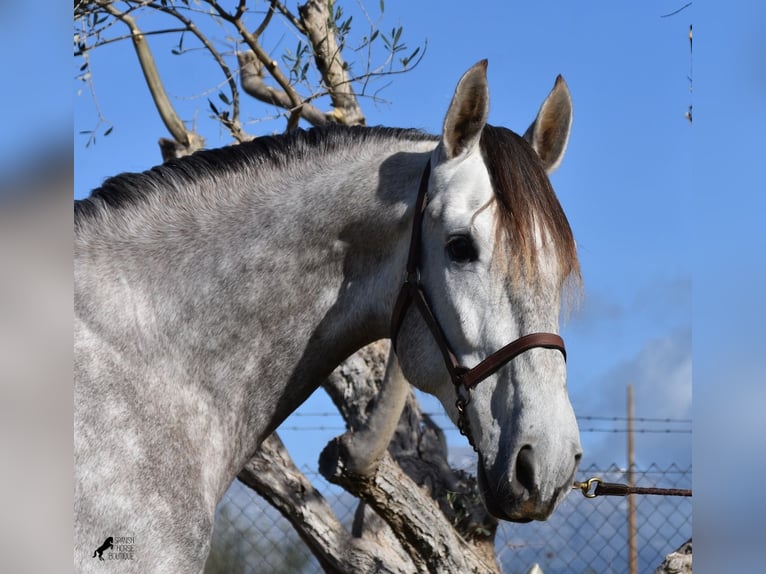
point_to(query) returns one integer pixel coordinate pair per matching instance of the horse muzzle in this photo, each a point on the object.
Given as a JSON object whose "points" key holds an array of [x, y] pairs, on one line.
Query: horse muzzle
{"points": [[525, 490]]}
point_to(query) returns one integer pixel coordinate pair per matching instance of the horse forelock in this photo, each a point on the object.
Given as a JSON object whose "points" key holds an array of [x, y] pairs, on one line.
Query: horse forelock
{"points": [[526, 206]]}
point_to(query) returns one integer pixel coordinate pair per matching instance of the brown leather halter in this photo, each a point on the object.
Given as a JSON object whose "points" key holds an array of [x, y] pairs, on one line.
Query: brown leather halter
{"points": [[463, 378]]}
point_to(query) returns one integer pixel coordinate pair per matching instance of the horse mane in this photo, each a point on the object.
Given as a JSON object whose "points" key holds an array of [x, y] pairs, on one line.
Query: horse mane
{"points": [[526, 201], [177, 176], [523, 192]]}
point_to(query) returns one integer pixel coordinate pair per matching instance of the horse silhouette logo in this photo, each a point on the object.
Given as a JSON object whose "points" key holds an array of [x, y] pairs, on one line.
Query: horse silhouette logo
{"points": [[108, 543]]}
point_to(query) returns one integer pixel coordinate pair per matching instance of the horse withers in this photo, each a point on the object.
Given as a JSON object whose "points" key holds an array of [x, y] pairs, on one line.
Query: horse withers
{"points": [[214, 293]]}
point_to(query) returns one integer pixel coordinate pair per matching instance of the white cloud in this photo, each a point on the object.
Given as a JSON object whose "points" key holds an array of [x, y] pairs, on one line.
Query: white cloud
{"points": [[661, 375]]}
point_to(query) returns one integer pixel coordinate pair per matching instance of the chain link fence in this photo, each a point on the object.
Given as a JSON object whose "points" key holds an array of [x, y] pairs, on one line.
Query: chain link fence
{"points": [[584, 536]]}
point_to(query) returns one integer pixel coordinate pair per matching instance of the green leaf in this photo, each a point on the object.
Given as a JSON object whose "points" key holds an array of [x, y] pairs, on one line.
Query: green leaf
{"points": [[108, 131], [382, 9], [408, 59], [212, 107], [346, 26], [224, 98]]}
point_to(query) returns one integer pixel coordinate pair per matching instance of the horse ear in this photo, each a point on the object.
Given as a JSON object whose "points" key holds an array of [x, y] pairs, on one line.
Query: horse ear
{"points": [[467, 113], [549, 133]]}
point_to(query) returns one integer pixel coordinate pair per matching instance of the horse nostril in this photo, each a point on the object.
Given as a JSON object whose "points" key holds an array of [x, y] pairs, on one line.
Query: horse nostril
{"points": [[525, 468]]}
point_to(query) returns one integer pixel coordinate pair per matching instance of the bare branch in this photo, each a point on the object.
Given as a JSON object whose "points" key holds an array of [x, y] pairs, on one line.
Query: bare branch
{"points": [[153, 81], [99, 43], [674, 12], [87, 77], [294, 119], [266, 20], [289, 15], [240, 9], [426, 537], [232, 123], [428, 505], [317, 19], [251, 79], [272, 473], [416, 519], [372, 74], [271, 65]]}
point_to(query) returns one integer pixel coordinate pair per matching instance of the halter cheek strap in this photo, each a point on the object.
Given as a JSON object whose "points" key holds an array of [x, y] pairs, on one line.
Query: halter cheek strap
{"points": [[411, 292]]}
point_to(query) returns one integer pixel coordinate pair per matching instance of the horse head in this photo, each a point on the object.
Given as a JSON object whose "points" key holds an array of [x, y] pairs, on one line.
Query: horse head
{"points": [[493, 253]]}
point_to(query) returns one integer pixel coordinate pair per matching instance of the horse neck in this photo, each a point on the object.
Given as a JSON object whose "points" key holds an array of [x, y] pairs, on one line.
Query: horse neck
{"points": [[255, 298]]}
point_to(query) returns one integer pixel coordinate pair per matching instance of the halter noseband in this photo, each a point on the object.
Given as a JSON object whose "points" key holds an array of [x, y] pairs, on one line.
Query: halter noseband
{"points": [[463, 378]]}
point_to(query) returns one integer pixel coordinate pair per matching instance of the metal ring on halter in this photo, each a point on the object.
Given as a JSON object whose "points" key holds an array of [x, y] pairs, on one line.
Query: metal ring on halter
{"points": [[586, 486], [408, 277]]}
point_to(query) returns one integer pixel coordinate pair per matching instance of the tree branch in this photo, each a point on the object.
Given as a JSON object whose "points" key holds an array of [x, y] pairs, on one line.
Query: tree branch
{"points": [[232, 124], [317, 22], [452, 534], [241, 9], [435, 512], [289, 15], [99, 43], [273, 475], [266, 20], [421, 527], [190, 141], [251, 79], [295, 101]]}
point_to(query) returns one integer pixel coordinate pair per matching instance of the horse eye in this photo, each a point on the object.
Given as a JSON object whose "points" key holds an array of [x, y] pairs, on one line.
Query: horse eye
{"points": [[461, 249]]}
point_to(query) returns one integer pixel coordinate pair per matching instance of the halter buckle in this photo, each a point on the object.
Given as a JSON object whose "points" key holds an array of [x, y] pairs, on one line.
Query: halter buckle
{"points": [[412, 277]]}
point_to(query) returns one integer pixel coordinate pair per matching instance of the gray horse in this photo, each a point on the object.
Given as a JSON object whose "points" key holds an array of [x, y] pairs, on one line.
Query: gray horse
{"points": [[214, 293]]}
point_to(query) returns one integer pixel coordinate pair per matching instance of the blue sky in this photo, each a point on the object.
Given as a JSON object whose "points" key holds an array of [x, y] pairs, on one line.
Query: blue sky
{"points": [[667, 215]]}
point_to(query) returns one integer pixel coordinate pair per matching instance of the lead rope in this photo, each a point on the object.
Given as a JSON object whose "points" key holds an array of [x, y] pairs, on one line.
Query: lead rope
{"points": [[616, 489]]}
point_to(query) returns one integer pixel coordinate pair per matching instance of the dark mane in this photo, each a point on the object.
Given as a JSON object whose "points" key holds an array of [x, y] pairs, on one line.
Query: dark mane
{"points": [[526, 198], [176, 176]]}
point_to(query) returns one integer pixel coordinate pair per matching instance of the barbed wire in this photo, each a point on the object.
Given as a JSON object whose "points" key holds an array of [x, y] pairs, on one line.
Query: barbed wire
{"points": [[579, 417], [635, 419], [585, 430], [641, 431], [590, 418]]}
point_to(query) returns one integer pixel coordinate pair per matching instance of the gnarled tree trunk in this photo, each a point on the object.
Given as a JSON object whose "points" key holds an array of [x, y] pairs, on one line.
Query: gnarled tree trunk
{"points": [[417, 514], [677, 562]]}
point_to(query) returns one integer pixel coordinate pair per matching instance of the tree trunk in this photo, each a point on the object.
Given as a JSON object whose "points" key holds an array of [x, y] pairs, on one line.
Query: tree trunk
{"points": [[318, 23], [273, 475], [678, 562], [417, 514]]}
